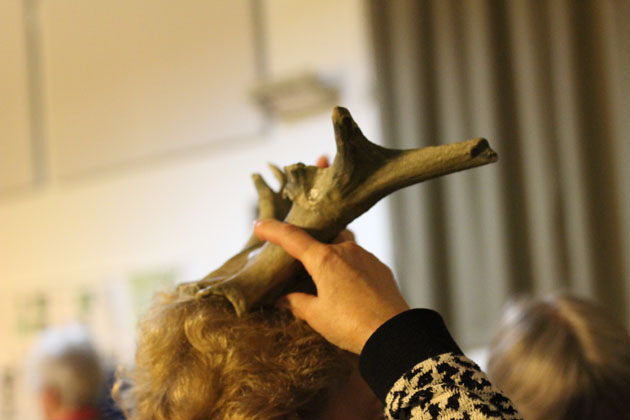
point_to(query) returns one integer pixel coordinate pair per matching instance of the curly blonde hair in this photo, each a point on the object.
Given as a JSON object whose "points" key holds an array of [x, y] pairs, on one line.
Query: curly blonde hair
{"points": [[196, 360]]}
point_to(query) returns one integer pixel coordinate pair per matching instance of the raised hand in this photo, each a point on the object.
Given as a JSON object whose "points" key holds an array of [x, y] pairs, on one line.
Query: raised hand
{"points": [[356, 293]]}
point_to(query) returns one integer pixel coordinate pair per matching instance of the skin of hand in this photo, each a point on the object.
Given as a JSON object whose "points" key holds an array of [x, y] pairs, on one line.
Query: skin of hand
{"points": [[356, 293], [322, 162]]}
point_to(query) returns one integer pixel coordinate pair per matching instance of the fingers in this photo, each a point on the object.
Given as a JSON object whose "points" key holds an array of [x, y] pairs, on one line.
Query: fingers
{"points": [[296, 242], [299, 304], [322, 162], [345, 236]]}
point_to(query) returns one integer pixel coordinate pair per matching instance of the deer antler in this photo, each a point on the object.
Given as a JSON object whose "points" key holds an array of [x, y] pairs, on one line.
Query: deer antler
{"points": [[324, 200]]}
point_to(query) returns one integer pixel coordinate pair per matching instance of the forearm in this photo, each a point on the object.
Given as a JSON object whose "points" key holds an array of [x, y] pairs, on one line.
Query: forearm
{"points": [[415, 367]]}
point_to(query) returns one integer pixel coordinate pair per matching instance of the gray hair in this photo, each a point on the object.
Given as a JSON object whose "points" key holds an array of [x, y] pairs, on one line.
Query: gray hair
{"points": [[562, 358], [65, 361]]}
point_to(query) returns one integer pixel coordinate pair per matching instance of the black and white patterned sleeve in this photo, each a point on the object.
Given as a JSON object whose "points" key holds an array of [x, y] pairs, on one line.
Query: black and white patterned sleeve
{"points": [[415, 367], [447, 387]]}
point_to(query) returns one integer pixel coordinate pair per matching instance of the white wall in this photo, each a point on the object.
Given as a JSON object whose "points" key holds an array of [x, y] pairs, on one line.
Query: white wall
{"points": [[186, 213]]}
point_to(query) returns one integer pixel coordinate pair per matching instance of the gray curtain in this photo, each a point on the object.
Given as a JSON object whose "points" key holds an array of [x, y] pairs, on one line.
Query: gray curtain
{"points": [[547, 82]]}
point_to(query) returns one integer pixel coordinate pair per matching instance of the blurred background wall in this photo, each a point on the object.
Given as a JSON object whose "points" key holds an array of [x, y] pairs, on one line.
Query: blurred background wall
{"points": [[128, 130], [128, 133]]}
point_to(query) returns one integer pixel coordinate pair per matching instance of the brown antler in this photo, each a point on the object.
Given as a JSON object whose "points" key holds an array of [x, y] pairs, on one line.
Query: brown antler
{"points": [[324, 200]]}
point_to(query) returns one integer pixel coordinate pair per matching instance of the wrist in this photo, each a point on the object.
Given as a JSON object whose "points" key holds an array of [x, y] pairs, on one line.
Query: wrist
{"points": [[373, 325], [401, 343]]}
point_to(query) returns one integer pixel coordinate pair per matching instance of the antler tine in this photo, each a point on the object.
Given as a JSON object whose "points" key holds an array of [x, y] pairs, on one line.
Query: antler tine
{"points": [[280, 176], [271, 204]]}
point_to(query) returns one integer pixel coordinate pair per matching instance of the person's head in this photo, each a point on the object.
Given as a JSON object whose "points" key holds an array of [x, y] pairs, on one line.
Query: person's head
{"points": [[562, 358], [197, 360], [66, 371]]}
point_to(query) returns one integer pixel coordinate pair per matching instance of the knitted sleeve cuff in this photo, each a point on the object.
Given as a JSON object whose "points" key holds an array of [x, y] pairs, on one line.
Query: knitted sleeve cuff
{"points": [[400, 344]]}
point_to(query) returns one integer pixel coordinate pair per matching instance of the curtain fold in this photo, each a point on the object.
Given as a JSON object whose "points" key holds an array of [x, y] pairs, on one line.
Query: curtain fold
{"points": [[546, 82]]}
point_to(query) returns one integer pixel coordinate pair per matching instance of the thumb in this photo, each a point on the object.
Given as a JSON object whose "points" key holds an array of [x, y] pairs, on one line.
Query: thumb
{"points": [[300, 304]]}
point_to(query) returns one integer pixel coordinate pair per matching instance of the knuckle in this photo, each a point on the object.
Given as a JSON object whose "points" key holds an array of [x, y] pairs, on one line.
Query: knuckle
{"points": [[289, 229], [291, 233], [351, 247], [330, 255]]}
